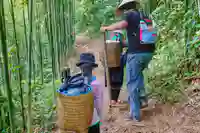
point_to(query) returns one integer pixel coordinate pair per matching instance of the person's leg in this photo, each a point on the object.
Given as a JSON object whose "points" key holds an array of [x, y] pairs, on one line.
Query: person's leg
{"points": [[134, 97], [118, 100], [112, 93], [120, 73], [142, 91], [133, 82], [122, 64], [115, 94], [116, 83], [136, 63], [145, 59]]}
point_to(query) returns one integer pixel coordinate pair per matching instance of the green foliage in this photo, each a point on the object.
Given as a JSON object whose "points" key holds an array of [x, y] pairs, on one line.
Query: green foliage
{"points": [[92, 14], [170, 64]]}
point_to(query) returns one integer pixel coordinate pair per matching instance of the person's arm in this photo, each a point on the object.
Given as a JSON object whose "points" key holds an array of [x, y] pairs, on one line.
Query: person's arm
{"points": [[117, 26]]}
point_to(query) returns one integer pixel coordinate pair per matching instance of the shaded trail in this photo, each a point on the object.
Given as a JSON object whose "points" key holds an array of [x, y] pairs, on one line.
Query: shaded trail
{"points": [[157, 118]]}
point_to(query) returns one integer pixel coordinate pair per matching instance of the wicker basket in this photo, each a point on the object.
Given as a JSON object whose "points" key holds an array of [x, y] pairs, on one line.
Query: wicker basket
{"points": [[113, 50], [75, 112]]}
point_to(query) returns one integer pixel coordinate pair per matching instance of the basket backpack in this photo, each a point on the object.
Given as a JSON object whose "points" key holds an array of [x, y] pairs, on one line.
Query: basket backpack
{"points": [[148, 33]]}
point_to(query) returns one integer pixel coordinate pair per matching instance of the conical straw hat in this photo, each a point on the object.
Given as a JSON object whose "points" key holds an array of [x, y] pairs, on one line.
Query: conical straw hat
{"points": [[126, 2]]}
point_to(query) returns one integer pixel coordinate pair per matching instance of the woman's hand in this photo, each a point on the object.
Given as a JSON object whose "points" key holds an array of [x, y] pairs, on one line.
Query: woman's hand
{"points": [[103, 28]]}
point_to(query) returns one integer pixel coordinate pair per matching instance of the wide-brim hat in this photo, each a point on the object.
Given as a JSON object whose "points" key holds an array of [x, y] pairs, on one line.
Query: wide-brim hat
{"points": [[126, 2], [87, 59]]}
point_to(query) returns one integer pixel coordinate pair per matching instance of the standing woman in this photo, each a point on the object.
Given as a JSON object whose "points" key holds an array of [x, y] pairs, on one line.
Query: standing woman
{"points": [[138, 57]]}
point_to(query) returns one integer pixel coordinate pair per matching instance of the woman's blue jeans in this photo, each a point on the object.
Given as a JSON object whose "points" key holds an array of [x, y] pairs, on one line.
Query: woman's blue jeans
{"points": [[135, 65]]}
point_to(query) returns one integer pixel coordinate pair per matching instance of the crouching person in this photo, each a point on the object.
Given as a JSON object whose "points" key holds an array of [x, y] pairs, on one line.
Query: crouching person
{"points": [[87, 64]]}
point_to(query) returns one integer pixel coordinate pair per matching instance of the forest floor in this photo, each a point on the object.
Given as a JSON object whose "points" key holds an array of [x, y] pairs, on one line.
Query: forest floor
{"points": [[157, 118]]}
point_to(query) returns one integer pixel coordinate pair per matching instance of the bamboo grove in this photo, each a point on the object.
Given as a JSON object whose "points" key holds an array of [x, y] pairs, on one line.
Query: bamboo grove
{"points": [[35, 37]]}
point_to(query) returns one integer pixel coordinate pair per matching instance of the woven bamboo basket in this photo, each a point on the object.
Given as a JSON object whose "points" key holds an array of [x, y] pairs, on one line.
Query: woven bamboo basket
{"points": [[75, 112], [113, 50]]}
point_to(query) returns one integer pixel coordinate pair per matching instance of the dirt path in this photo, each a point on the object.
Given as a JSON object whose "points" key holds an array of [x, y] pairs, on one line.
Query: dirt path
{"points": [[157, 118]]}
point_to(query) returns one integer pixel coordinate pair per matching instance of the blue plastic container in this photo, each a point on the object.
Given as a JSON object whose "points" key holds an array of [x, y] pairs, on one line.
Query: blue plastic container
{"points": [[76, 91]]}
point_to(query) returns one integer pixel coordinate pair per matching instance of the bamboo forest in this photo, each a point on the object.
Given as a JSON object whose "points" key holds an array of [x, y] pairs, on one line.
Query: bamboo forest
{"points": [[39, 39]]}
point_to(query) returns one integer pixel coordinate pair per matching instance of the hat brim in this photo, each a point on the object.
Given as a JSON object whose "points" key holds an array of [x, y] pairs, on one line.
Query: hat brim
{"points": [[123, 5], [85, 62]]}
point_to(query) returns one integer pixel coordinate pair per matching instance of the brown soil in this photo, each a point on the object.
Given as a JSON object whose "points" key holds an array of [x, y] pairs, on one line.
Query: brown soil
{"points": [[157, 118]]}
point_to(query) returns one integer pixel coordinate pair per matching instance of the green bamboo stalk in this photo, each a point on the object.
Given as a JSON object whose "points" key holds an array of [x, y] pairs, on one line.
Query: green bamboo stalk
{"points": [[60, 35], [18, 63], [5, 57], [25, 32], [67, 6], [49, 5], [1, 74], [70, 11], [1, 127], [65, 25], [46, 19], [71, 16], [55, 34], [59, 32], [186, 3], [30, 34], [3, 119], [74, 20], [64, 31], [38, 38], [33, 67]]}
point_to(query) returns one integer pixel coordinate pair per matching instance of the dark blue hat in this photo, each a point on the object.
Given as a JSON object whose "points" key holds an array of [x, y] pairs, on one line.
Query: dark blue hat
{"points": [[87, 58]]}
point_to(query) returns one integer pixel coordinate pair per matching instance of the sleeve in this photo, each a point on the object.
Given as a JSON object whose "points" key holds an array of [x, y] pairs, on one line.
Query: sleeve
{"points": [[132, 17], [127, 16]]}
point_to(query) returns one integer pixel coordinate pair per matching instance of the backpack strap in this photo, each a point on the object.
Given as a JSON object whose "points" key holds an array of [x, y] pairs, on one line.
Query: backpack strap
{"points": [[141, 15], [145, 18]]}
